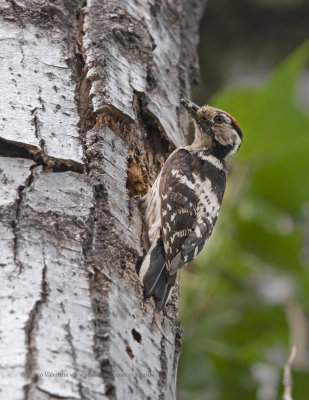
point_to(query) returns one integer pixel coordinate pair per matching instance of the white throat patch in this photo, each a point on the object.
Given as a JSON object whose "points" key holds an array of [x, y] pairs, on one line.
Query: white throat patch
{"points": [[235, 142]]}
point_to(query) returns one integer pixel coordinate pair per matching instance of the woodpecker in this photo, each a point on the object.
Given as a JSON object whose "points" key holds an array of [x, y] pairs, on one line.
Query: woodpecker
{"points": [[182, 206]]}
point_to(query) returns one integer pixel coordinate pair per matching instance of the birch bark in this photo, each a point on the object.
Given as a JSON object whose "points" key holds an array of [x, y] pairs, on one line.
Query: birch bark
{"points": [[89, 111]]}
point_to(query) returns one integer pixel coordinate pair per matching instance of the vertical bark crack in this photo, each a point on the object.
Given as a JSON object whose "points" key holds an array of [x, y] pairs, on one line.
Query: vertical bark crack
{"points": [[75, 363], [85, 107], [31, 328], [163, 372], [99, 287], [36, 123], [15, 221]]}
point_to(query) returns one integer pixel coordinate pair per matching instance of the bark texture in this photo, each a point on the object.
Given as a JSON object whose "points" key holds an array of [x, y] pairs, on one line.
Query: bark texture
{"points": [[89, 112]]}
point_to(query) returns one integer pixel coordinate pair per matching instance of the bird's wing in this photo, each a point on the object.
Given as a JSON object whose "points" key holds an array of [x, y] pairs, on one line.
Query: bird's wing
{"points": [[187, 218], [178, 204], [197, 238]]}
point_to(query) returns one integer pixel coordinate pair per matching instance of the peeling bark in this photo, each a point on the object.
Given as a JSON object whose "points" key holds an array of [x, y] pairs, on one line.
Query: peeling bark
{"points": [[91, 112]]}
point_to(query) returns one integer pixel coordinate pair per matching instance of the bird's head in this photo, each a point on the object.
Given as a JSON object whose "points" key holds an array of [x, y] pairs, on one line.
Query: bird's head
{"points": [[214, 129]]}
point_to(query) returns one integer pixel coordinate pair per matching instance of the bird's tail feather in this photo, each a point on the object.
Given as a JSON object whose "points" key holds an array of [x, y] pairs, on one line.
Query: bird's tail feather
{"points": [[154, 276]]}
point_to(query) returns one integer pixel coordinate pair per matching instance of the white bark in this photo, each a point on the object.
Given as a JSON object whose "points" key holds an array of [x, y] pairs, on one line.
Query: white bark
{"points": [[73, 323], [39, 94]]}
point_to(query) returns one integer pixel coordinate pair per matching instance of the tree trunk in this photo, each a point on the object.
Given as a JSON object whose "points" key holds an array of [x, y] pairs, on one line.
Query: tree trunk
{"points": [[88, 114]]}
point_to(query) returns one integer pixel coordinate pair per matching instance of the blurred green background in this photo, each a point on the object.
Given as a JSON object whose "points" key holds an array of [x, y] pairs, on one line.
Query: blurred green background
{"points": [[245, 299]]}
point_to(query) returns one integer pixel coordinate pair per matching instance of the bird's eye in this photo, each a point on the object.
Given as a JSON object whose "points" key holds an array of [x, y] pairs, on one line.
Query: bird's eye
{"points": [[219, 119]]}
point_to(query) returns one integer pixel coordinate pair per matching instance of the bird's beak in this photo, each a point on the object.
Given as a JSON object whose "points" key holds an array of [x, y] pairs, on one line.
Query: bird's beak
{"points": [[191, 107]]}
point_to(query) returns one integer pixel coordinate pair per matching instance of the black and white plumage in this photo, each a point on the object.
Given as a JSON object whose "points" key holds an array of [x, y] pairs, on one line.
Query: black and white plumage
{"points": [[182, 207]]}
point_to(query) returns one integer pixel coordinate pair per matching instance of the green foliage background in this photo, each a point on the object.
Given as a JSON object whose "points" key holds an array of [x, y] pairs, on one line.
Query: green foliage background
{"points": [[244, 301]]}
